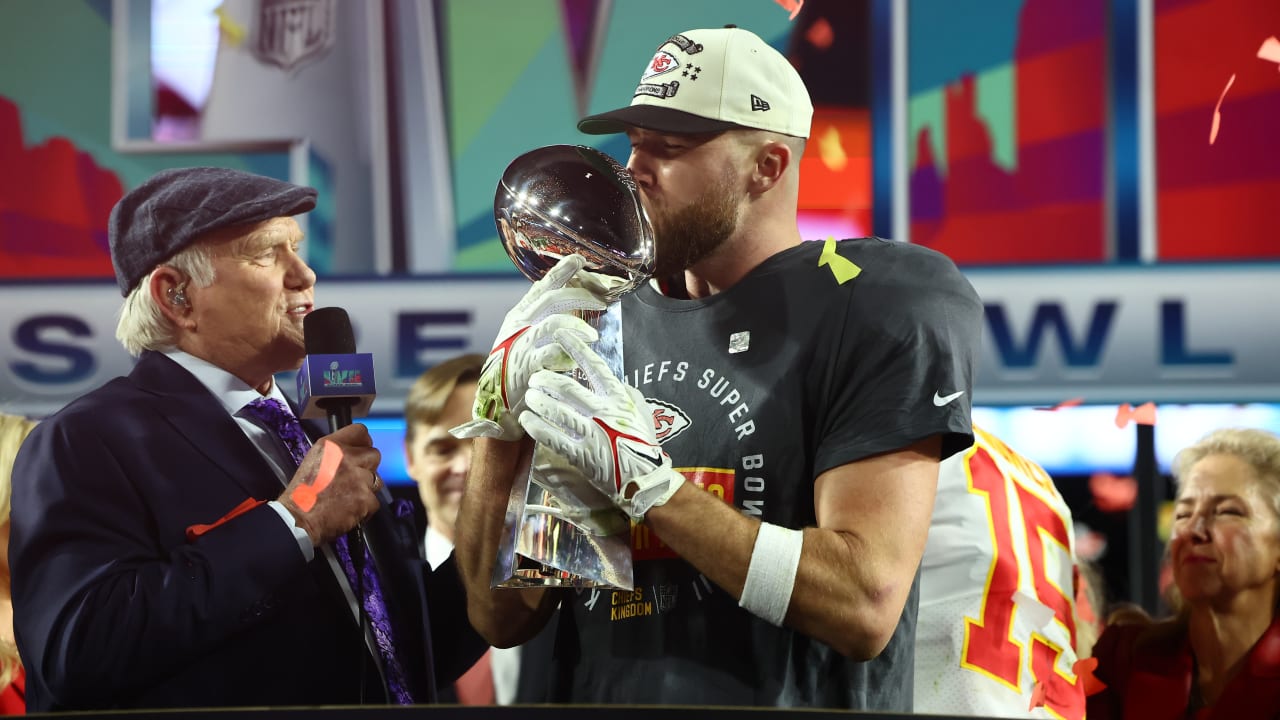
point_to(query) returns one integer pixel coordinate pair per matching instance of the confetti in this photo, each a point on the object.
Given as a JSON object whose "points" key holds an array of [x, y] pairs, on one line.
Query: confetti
{"points": [[232, 30], [820, 34], [831, 150], [1037, 696], [1270, 50], [1112, 493], [1217, 111], [1073, 402], [1084, 670], [792, 5], [1032, 610], [1144, 414], [841, 267], [305, 494]]}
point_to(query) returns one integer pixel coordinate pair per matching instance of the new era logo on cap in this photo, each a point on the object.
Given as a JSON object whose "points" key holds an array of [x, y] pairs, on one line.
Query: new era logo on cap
{"points": [[735, 71]]}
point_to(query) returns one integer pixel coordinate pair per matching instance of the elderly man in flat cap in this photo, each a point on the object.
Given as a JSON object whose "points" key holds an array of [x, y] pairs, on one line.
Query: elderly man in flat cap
{"points": [[179, 539]]}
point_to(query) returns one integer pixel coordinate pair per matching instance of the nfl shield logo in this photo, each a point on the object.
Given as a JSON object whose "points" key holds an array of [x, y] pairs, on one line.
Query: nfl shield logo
{"points": [[291, 33]]}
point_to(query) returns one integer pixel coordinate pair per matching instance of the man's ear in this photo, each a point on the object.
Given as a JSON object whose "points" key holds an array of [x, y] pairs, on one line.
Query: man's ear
{"points": [[771, 163], [168, 289]]}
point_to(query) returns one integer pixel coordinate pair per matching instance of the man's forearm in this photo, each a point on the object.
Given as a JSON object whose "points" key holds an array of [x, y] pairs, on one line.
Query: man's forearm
{"points": [[505, 617], [854, 575]]}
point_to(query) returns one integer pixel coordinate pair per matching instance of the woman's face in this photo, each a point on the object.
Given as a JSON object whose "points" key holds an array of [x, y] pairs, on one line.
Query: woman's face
{"points": [[1225, 543]]}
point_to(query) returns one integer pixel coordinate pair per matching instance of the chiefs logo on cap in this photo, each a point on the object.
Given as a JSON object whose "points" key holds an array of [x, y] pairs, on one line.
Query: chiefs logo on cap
{"points": [[662, 62]]}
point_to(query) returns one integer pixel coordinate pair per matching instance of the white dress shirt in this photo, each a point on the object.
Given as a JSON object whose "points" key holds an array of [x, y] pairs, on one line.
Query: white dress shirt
{"points": [[235, 394]]}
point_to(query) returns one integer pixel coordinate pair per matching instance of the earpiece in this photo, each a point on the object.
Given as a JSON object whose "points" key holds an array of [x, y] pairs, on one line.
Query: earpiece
{"points": [[178, 295]]}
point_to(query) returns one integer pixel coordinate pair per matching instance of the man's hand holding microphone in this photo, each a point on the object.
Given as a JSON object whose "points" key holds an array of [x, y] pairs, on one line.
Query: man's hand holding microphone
{"points": [[336, 487]]}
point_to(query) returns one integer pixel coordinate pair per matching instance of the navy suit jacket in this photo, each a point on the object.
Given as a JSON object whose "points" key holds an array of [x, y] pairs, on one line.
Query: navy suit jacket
{"points": [[114, 607]]}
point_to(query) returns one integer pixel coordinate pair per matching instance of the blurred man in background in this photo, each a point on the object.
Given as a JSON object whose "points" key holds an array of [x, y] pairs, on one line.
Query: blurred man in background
{"points": [[440, 399]]}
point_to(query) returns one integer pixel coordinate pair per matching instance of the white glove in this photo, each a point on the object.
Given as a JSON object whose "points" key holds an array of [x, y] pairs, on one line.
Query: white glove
{"points": [[571, 496], [606, 431], [525, 345]]}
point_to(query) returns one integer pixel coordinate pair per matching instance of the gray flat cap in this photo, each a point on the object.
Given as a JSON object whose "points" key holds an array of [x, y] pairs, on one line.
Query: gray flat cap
{"points": [[173, 208]]}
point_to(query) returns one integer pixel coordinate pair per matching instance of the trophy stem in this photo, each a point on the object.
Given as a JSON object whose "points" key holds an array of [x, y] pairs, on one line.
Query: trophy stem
{"points": [[573, 537]]}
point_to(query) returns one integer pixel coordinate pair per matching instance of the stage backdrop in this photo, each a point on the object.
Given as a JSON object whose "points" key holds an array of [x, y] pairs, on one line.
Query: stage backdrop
{"points": [[1109, 335], [1010, 114]]}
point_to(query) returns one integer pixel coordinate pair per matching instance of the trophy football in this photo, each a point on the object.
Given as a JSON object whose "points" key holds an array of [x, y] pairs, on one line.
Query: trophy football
{"points": [[554, 201]]}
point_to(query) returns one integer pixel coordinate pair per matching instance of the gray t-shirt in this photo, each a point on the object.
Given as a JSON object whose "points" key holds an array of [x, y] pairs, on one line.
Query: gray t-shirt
{"points": [[758, 390]]}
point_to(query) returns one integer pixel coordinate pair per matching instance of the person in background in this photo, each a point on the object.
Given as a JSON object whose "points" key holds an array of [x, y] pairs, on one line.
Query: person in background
{"points": [[1219, 655], [440, 399], [777, 437], [13, 430], [997, 629], [179, 537], [1091, 606]]}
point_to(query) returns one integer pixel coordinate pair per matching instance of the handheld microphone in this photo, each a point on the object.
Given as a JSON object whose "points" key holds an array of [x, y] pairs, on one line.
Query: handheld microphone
{"points": [[337, 382], [334, 379]]}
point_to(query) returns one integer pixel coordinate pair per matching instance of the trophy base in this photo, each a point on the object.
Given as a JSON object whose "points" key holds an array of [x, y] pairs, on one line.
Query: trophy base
{"points": [[542, 547]]}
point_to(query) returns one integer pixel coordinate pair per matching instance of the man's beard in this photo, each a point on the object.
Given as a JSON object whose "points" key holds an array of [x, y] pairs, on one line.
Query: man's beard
{"points": [[692, 233]]}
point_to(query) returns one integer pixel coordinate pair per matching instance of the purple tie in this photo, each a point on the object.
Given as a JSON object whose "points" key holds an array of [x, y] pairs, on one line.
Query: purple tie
{"points": [[274, 415]]}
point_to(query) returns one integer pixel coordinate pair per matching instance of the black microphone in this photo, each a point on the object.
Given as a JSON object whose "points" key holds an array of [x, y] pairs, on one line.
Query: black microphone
{"points": [[337, 382], [334, 379]]}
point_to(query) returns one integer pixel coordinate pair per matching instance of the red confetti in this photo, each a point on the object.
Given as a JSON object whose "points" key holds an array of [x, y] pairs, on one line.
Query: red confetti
{"points": [[1037, 696], [820, 34], [1217, 114], [304, 495], [1112, 493], [1144, 414], [1073, 402], [1084, 670], [791, 5]]}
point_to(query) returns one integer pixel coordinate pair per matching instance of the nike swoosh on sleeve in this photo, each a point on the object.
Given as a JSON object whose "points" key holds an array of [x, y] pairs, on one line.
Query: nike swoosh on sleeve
{"points": [[941, 400]]}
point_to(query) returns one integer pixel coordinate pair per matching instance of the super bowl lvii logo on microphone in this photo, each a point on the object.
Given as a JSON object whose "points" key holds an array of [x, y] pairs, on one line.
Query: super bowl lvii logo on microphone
{"points": [[337, 377]]}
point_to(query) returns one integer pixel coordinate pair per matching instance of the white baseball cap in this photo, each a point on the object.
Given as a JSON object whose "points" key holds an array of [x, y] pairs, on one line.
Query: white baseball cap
{"points": [[709, 81]]}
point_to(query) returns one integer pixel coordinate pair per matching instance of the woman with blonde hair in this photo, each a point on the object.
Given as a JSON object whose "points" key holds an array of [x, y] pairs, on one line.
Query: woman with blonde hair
{"points": [[13, 430], [1219, 655]]}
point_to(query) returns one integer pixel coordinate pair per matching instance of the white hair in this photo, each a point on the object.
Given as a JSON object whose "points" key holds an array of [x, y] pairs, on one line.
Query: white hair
{"points": [[142, 325]]}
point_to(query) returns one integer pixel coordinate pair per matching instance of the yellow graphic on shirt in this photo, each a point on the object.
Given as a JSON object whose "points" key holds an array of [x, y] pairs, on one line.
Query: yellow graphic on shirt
{"points": [[841, 267], [624, 605]]}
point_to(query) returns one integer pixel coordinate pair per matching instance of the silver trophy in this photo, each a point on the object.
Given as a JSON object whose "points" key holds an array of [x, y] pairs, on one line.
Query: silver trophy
{"points": [[551, 202]]}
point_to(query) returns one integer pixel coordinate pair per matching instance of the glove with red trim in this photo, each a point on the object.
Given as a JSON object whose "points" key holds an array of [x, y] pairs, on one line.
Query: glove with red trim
{"points": [[605, 430], [526, 343]]}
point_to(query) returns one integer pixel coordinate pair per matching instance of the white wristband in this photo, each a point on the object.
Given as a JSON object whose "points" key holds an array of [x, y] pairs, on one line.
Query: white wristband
{"points": [[772, 574]]}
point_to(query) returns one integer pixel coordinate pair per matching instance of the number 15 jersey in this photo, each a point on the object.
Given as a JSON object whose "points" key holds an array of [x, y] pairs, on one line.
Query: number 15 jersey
{"points": [[996, 629]]}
